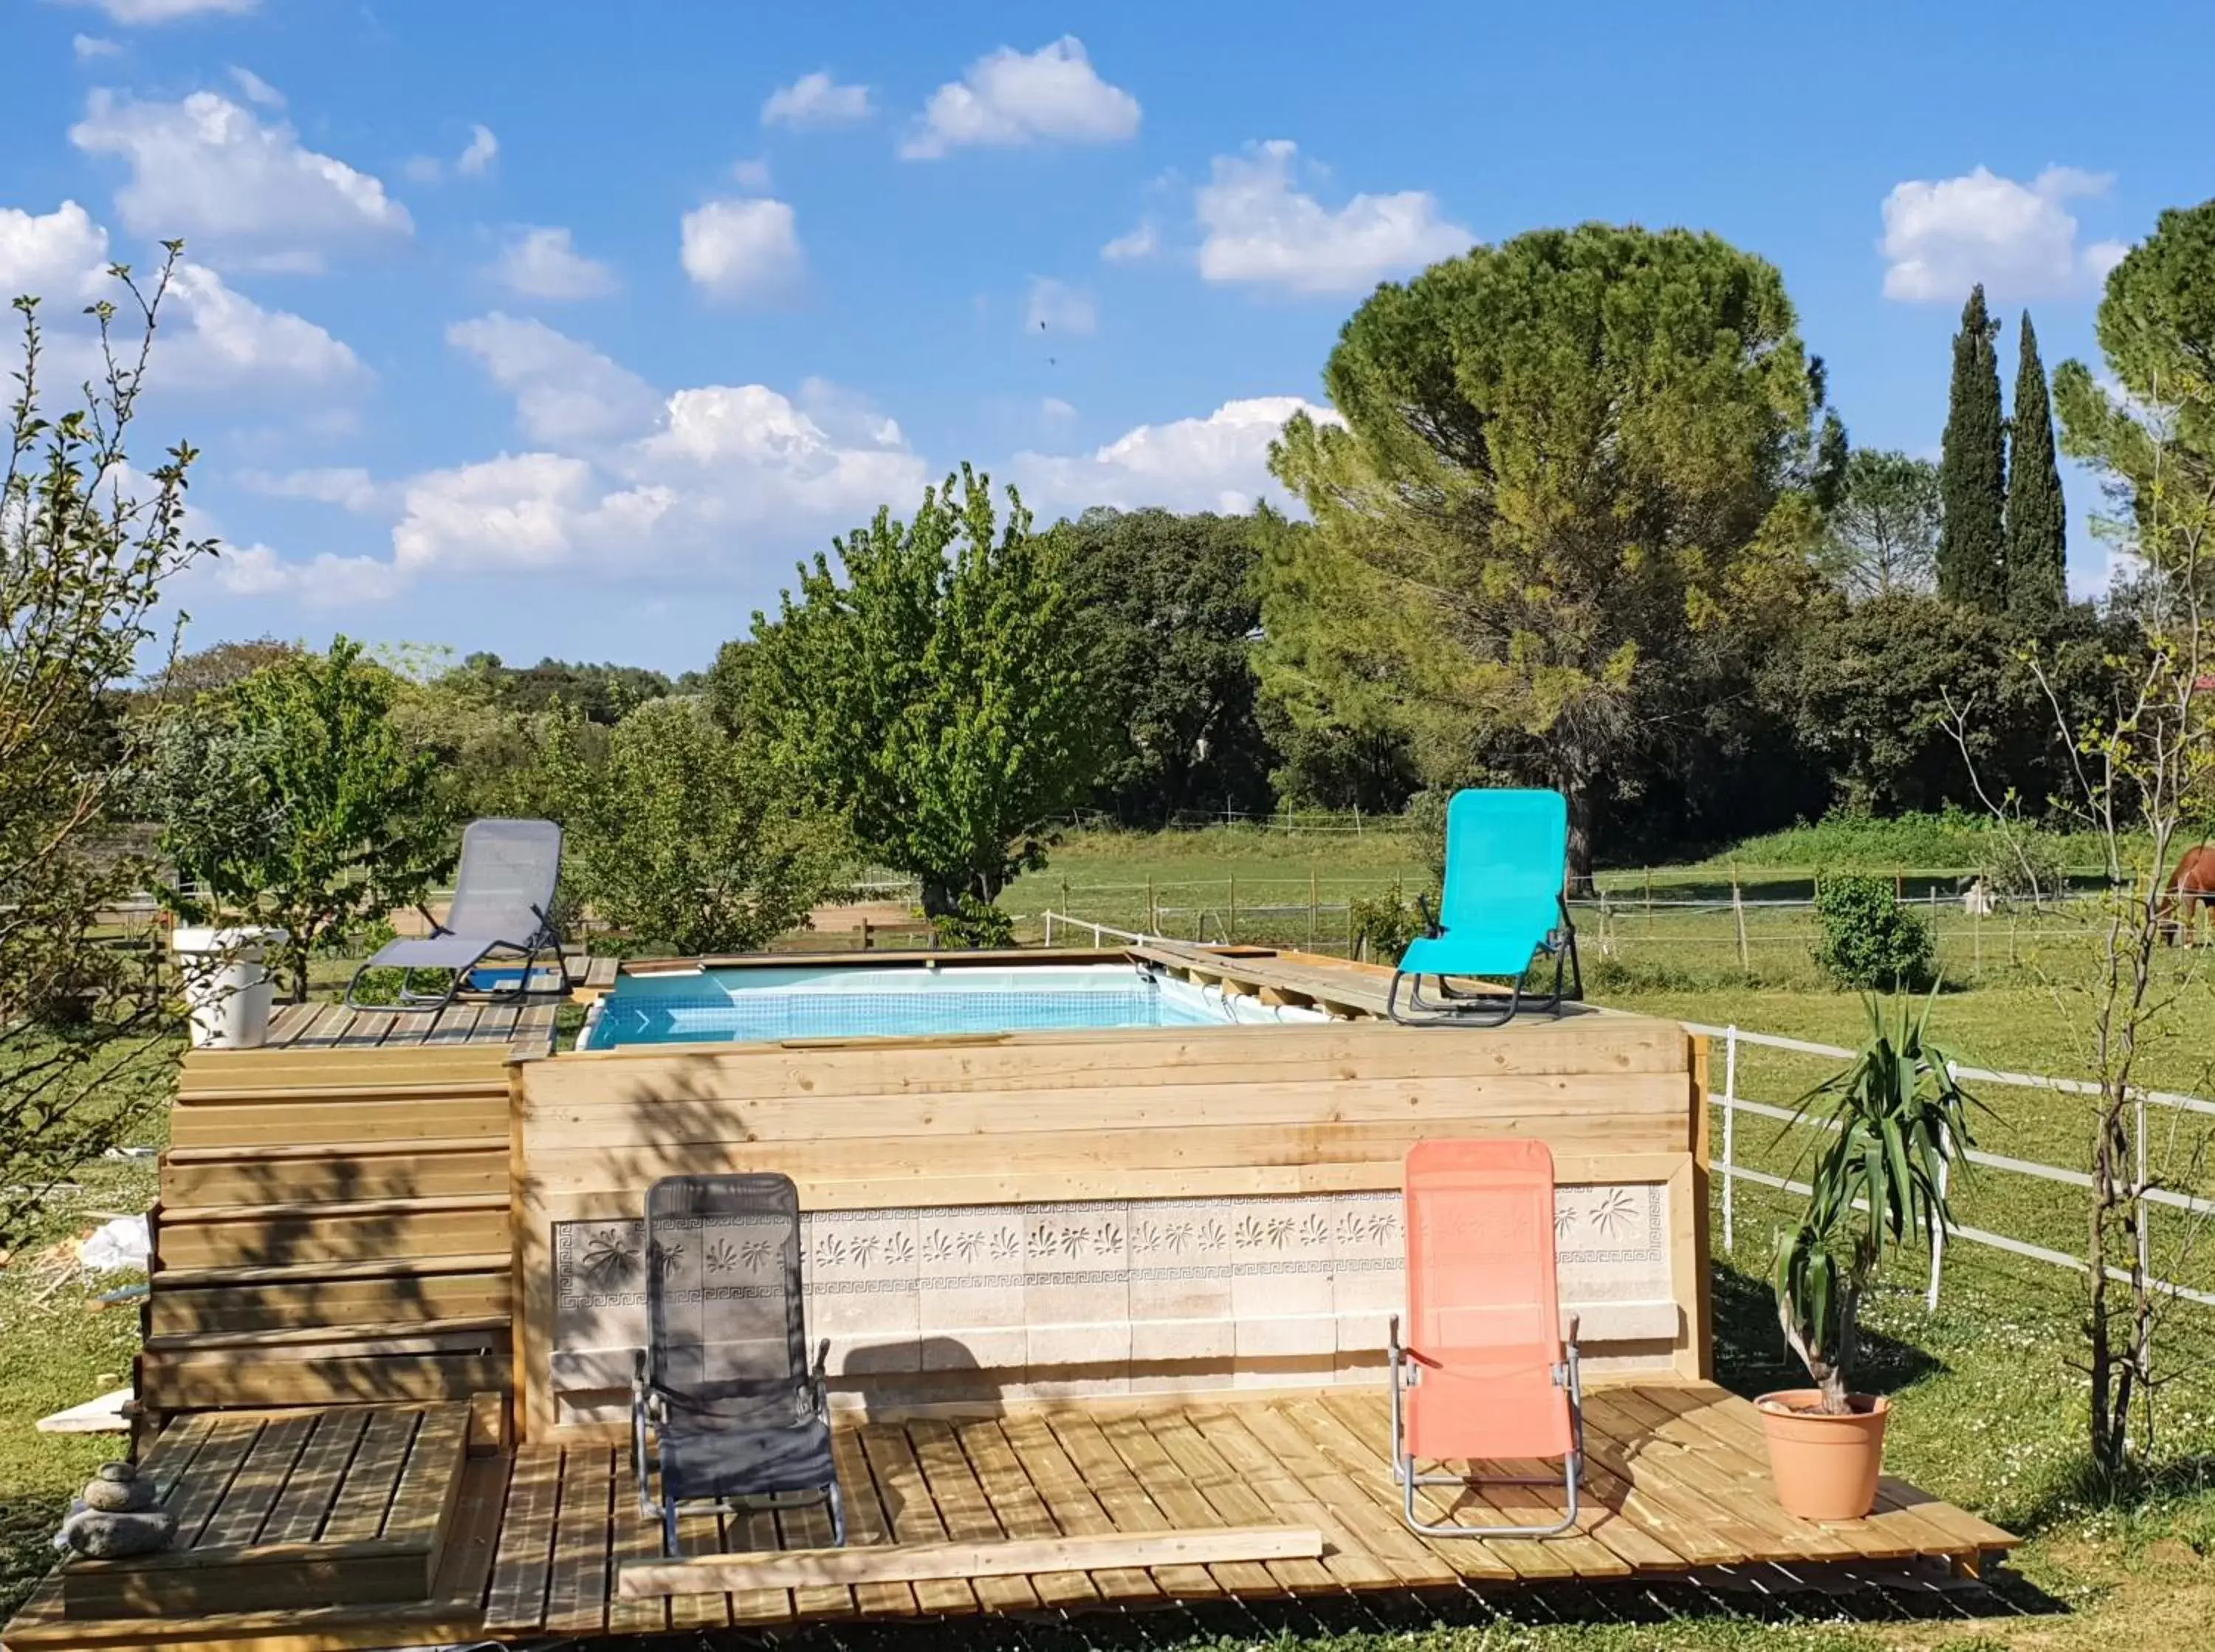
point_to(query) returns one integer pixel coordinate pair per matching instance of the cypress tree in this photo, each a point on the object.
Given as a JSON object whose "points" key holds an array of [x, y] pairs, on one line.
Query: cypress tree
{"points": [[1972, 470], [2037, 517]]}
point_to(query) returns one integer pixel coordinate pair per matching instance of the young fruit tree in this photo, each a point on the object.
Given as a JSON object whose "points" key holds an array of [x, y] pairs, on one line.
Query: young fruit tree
{"points": [[83, 567], [933, 692]]}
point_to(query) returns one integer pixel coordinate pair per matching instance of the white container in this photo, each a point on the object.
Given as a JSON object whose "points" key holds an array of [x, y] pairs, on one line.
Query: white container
{"points": [[227, 991]]}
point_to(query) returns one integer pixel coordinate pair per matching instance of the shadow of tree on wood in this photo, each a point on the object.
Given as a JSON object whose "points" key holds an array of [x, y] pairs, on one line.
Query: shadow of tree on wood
{"points": [[1751, 1357]]}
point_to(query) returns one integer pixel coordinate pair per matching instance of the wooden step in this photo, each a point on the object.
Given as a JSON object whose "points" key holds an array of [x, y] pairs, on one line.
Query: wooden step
{"points": [[408, 1330], [239, 1236], [286, 1179], [348, 1120], [169, 1383], [307, 1272], [330, 1303]]}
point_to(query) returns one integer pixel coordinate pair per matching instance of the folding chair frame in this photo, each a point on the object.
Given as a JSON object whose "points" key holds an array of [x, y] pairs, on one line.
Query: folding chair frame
{"points": [[1465, 1009], [547, 939], [1406, 1369], [649, 1408]]}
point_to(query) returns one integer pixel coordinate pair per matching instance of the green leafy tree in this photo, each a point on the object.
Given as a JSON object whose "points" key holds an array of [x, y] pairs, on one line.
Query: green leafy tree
{"points": [[684, 837], [1882, 537], [936, 694], [1570, 497], [1972, 470], [1166, 609], [355, 826], [2037, 513], [88, 549]]}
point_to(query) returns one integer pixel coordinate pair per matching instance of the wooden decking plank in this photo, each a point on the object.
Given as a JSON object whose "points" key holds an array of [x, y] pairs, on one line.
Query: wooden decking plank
{"points": [[1279, 1488], [1019, 1508], [297, 1514], [1232, 1501], [1071, 1502], [866, 1524], [171, 1455], [496, 1022], [1620, 1445], [260, 1480], [577, 1587], [1676, 1473], [365, 1497], [289, 1020], [915, 1517], [423, 1500], [517, 1598], [454, 1025], [746, 1531], [1375, 1520], [1575, 1553], [208, 1480], [636, 1538], [968, 1515], [1127, 1502]]}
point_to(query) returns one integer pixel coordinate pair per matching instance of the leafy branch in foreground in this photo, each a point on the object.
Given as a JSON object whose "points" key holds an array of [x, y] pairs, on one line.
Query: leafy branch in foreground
{"points": [[83, 564]]}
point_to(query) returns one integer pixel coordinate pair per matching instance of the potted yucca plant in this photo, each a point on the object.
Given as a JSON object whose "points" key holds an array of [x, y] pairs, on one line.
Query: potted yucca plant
{"points": [[1878, 1182]]}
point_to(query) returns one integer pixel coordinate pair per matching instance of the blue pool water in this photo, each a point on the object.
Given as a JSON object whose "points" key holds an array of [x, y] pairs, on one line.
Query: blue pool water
{"points": [[736, 1006]]}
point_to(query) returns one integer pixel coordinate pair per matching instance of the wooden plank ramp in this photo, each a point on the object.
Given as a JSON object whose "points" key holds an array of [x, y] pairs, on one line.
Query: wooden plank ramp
{"points": [[1055, 1509]]}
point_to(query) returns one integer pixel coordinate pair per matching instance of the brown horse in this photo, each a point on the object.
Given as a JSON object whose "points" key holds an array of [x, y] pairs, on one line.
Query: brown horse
{"points": [[2193, 885]]}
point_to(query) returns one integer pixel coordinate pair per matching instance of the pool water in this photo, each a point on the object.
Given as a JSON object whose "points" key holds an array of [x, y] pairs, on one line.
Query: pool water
{"points": [[740, 1005]]}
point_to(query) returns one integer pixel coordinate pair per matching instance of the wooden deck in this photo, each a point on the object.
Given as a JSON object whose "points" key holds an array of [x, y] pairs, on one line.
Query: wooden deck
{"points": [[527, 1028], [1677, 1482]]}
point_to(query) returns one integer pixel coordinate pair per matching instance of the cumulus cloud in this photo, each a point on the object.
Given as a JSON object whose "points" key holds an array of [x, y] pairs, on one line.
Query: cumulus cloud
{"points": [[324, 581], [88, 46], [1142, 242], [816, 101], [752, 175], [1055, 307], [544, 262], [1008, 98], [743, 250], [1259, 228], [210, 170], [349, 488], [2020, 240], [134, 12], [566, 392], [1220, 463], [213, 338]]}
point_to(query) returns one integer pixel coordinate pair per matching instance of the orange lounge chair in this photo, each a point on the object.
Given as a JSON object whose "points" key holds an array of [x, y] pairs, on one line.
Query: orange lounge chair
{"points": [[1486, 1375]]}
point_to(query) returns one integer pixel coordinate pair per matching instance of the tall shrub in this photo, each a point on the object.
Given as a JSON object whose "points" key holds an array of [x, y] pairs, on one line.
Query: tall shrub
{"points": [[1868, 940]]}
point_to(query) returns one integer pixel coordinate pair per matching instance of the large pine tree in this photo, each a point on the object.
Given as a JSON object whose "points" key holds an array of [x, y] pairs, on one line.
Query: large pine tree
{"points": [[2037, 517], [1972, 470]]}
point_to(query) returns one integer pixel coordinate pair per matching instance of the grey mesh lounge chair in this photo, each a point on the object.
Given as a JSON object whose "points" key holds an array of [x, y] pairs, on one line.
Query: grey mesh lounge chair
{"points": [[503, 900], [723, 1384]]}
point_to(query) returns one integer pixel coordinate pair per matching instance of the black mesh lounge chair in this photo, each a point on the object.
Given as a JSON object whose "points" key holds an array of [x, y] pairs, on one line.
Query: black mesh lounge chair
{"points": [[503, 902], [723, 1384]]}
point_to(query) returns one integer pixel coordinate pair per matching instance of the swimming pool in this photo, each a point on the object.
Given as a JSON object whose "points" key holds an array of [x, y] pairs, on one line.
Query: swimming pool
{"points": [[696, 1004]]}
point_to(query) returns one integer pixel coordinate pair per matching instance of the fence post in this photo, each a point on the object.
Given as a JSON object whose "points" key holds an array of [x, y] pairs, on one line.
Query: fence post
{"points": [[1049, 927], [1315, 904], [2145, 1240], [1737, 911], [1153, 916], [1231, 924], [1937, 1227], [1730, 1137], [1096, 937]]}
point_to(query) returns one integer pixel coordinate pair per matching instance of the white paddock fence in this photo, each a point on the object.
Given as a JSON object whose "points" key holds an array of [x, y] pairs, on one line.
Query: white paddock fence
{"points": [[1728, 1169]]}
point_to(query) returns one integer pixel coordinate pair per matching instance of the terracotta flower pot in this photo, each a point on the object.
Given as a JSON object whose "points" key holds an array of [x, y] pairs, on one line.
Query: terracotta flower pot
{"points": [[1825, 1467]]}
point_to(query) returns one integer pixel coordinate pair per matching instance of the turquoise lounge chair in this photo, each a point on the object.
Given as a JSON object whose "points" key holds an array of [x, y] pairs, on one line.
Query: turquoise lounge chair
{"points": [[1502, 906]]}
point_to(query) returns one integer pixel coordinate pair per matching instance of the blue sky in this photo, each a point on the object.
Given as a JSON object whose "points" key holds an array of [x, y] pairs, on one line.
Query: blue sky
{"points": [[565, 328]]}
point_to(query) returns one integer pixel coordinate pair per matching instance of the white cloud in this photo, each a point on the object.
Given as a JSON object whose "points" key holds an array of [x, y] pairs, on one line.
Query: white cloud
{"points": [[816, 101], [213, 338], [324, 581], [542, 262], [59, 256], [743, 249], [1010, 97], [1258, 227], [1220, 463], [132, 13], [752, 175], [566, 393], [1142, 242], [1942, 238], [209, 170], [349, 487], [1055, 408], [1056, 308], [257, 89], [475, 160], [88, 46]]}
